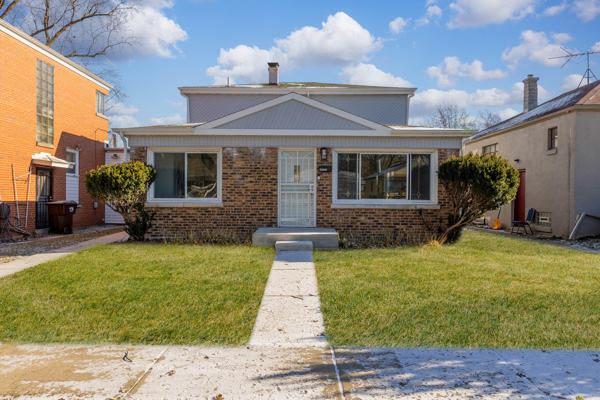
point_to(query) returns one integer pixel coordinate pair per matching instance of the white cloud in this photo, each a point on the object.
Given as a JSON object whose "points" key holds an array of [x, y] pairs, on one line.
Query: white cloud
{"points": [[571, 81], [516, 94], [122, 116], [596, 47], [493, 97], [154, 33], [425, 102], [141, 27], [452, 67], [555, 10], [470, 13], [507, 113], [340, 41], [432, 12], [536, 46], [586, 10], [369, 74], [241, 62], [176, 118], [398, 24]]}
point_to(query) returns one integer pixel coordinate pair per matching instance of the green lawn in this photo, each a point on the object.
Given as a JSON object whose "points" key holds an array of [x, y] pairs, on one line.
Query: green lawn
{"points": [[138, 293], [485, 291]]}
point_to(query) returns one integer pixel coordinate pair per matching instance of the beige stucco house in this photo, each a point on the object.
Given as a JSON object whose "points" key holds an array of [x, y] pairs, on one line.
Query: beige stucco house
{"points": [[556, 148]]}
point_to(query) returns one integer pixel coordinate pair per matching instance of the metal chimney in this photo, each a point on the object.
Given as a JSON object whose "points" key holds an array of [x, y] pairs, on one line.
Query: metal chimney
{"points": [[530, 92], [273, 73]]}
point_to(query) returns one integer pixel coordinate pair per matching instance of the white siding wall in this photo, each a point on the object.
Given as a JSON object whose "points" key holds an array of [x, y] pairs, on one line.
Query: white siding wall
{"points": [[113, 157]]}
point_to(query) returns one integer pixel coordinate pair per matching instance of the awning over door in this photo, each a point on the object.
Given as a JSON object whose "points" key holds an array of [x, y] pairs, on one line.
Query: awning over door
{"points": [[48, 160]]}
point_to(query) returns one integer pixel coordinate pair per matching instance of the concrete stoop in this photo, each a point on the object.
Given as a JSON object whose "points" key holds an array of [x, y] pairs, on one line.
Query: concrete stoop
{"points": [[293, 245], [321, 238]]}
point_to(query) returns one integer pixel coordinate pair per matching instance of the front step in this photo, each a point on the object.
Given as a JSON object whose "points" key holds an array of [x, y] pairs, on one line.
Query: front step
{"points": [[321, 238], [293, 245]]}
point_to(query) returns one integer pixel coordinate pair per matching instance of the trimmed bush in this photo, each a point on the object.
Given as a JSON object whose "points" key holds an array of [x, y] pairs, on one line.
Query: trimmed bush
{"points": [[475, 184], [123, 187]]}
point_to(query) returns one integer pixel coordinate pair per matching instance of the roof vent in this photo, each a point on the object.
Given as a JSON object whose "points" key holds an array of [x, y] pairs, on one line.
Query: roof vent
{"points": [[273, 73], [530, 92]]}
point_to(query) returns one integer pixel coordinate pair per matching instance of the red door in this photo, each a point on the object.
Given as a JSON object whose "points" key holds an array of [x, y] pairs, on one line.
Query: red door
{"points": [[519, 214]]}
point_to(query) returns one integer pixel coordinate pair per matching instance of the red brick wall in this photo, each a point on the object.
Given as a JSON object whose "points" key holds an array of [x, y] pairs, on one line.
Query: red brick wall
{"points": [[379, 226], [250, 202], [76, 125]]}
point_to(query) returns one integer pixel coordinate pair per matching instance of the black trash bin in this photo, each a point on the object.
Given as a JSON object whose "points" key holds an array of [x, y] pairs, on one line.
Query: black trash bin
{"points": [[61, 216]]}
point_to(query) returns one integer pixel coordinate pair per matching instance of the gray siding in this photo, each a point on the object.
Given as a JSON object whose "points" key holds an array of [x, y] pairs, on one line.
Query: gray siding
{"points": [[383, 109], [208, 107], [292, 115], [296, 141]]}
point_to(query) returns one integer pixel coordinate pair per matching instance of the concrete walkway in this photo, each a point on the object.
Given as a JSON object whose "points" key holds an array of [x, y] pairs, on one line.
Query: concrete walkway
{"points": [[290, 312], [25, 262]]}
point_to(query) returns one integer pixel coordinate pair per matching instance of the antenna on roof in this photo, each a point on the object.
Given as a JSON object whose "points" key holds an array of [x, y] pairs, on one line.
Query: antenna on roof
{"points": [[588, 74]]}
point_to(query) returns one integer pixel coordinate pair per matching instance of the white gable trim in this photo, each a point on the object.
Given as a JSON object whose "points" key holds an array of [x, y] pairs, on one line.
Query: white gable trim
{"points": [[370, 125]]}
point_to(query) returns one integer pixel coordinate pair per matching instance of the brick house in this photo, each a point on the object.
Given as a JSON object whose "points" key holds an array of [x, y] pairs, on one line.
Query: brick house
{"points": [[52, 130], [296, 157]]}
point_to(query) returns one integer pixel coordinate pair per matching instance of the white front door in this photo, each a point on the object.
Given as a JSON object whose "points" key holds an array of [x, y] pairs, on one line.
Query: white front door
{"points": [[297, 177]]}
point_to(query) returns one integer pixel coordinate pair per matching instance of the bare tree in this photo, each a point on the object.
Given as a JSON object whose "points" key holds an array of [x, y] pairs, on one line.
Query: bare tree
{"points": [[488, 118], [6, 7], [451, 116], [76, 28]]}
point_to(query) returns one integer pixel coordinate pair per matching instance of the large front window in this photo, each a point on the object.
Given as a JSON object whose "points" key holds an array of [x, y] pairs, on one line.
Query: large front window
{"points": [[186, 175], [383, 177]]}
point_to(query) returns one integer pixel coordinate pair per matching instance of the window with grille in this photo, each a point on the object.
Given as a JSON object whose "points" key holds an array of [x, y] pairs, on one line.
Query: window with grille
{"points": [[45, 102], [490, 149]]}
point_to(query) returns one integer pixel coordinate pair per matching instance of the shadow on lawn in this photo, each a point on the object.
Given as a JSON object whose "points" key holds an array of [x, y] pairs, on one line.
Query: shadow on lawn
{"points": [[424, 373]]}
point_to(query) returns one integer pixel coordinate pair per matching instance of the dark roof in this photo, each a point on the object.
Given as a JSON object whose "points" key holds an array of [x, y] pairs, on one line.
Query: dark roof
{"points": [[302, 85], [582, 95]]}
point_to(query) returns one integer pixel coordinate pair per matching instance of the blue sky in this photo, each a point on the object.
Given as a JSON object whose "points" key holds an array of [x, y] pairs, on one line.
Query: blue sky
{"points": [[471, 53]]}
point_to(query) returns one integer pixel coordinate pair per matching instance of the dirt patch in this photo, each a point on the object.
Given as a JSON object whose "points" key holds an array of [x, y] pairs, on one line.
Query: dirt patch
{"points": [[37, 373], [5, 259]]}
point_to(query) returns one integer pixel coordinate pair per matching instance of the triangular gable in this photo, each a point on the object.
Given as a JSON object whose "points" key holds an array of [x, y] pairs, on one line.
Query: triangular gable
{"points": [[293, 112]]}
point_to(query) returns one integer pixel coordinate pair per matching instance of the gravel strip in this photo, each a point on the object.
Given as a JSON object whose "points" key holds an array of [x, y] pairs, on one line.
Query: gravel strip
{"points": [[9, 251]]}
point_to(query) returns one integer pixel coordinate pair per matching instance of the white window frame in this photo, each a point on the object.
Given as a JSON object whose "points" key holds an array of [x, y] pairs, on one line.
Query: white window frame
{"points": [[387, 202], [76, 152], [191, 200], [100, 99]]}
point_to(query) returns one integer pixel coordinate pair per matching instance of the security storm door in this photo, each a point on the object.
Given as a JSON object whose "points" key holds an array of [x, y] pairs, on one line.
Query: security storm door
{"points": [[297, 188]]}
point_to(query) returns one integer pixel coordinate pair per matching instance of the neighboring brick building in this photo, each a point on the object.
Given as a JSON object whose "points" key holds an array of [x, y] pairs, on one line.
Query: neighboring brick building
{"points": [[296, 156], [52, 130]]}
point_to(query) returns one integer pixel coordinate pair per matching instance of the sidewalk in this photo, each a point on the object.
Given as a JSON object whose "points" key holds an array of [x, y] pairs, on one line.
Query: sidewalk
{"points": [[25, 262], [290, 312]]}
